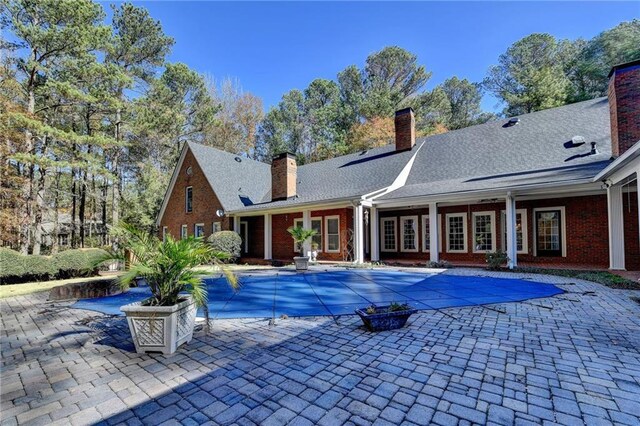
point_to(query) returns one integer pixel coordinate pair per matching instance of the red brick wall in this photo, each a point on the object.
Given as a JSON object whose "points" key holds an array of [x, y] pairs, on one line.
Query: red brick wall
{"points": [[205, 202], [282, 244], [631, 232], [586, 226], [624, 98]]}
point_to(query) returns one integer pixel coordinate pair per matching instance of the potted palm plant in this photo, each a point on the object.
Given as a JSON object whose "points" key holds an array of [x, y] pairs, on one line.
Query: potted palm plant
{"points": [[300, 236], [166, 320]]}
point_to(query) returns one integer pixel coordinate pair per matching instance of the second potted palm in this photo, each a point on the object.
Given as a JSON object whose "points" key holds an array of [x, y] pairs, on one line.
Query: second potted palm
{"points": [[300, 236]]}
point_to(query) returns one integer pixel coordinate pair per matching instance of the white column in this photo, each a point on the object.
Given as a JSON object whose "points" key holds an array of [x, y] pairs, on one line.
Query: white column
{"points": [[236, 224], [512, 245], [358, 237], [374, 223], [616, 227], [267, 237], [306, 224], [434, 232]]}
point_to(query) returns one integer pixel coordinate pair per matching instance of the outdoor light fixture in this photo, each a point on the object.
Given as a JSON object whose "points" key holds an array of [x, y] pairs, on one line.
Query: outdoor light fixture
{"points": [[220, 213], [366, 217]]}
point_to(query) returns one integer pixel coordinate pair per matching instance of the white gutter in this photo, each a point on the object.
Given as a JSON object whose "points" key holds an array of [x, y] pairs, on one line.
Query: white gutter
{"points": [[569, 186], [619, 162]]}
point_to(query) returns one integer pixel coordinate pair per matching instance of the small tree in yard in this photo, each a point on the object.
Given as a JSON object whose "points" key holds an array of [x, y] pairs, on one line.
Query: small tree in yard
{"points": [[300, 236]]}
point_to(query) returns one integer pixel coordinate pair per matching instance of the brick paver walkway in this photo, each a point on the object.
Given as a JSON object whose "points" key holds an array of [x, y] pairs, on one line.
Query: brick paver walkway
{"points": [[570, 359]]}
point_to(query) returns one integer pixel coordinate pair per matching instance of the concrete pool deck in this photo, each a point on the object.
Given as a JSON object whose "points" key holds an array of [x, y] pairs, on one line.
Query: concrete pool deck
{"points": [[569, 359], [338, 291]]}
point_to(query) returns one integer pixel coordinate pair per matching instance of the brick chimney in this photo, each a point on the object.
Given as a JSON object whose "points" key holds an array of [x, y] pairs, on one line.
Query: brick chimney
{"points": [[624, 106], [284, 173], [405, 129]]}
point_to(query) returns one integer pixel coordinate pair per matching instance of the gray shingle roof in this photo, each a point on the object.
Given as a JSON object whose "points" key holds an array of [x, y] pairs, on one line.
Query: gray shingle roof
{"points": [[235, 183], [536, 150], [487, 156]]}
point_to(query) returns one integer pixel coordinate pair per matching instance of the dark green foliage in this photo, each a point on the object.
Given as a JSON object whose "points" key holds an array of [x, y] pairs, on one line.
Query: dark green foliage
{"points": [[228, 242], [17, 268], [496, 259], [77, 263]]}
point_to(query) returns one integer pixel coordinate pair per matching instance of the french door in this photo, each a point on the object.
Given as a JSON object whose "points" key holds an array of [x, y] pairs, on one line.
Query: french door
{"points": [[549, 233]]}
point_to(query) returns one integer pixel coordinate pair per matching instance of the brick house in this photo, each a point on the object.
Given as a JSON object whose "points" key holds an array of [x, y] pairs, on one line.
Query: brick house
{"points": [[557, 186]]}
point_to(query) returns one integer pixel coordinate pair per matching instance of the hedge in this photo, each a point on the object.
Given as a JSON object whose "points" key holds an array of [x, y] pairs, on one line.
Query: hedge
{"points": [[228, 242], [77, 263], [18, 268]]}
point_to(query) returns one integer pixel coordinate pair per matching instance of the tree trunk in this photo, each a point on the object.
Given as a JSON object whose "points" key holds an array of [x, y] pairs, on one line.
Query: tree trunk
{"points": [[39, 204], [74, 209], [26, 228], [81, 210], [103, 198], [117, 182], [56, 217]]}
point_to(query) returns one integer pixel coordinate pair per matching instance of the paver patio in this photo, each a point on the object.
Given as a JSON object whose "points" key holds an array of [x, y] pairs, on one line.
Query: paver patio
{"points": [[569, 359]]}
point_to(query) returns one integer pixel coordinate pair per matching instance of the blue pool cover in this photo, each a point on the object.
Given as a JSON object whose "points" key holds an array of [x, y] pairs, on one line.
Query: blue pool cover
{"points": [[266, 294]]}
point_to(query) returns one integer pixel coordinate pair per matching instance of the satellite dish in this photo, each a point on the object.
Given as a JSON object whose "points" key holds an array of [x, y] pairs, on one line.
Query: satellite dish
{"points": [[219, 212]]}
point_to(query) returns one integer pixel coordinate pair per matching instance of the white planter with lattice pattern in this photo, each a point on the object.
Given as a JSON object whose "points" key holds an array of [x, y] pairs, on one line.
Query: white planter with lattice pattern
{"points": [[161, 328]]}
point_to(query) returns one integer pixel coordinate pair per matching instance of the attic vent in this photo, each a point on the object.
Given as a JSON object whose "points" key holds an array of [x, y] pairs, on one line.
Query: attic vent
{"points": [[512, 122], [238, 159], [594, 148], [577, 140]]}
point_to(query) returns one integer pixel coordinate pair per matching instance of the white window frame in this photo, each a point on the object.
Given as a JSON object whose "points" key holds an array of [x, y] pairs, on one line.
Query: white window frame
{"points": [[213, 227], [195, 234], [326, 233], [383, 235], [164, 233], [186, 198], [425, 222], [184, 231], [299, 222], [525, 229], [563, 228], [491, 214], [464, 229], [417, 236]]}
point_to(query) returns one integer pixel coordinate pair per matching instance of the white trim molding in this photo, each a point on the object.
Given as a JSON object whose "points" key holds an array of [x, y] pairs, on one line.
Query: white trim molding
{"points": [[195, 229], [184, 231], [616, 227], [525, 227]]}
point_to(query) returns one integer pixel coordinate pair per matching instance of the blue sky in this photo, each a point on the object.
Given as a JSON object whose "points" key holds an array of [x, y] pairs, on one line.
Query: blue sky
{"points": [[274, 47]]}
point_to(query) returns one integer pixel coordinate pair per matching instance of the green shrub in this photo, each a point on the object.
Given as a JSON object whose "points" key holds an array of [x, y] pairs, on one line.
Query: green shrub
{"points": [[496, 259], [227, 242], [17, 268], [443, 264], [77, 262]]}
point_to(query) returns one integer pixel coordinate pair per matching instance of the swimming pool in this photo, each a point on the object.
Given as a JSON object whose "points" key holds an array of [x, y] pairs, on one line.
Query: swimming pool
{"points": [[271, 293]]}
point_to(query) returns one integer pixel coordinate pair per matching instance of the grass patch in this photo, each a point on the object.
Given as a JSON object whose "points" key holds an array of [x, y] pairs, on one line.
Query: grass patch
{"points": [[601, 277], [11, 290]]}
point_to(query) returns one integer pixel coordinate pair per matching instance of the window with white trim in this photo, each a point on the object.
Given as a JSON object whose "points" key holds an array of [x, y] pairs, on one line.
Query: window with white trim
{"points": [[188, 199], [216, 227], [484, 231], [521, 231], [456, 232], [550, 231], [388, 226], [426, 234], [409, 228], [332, 231], [198, 230], [316, 225], [183, 231], [164, 233]]}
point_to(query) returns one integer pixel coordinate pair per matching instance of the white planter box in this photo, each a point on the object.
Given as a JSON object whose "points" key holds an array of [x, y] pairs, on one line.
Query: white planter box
{"points": [[161, 328], [302, 263]]}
